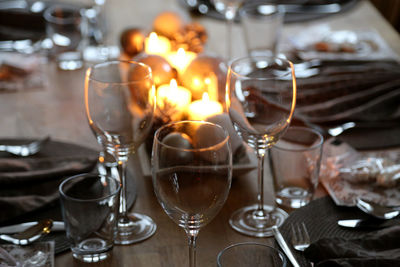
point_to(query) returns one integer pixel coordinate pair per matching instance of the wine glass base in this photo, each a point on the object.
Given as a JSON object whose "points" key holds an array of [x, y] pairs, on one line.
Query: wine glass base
{"points": [[136, 228], [246, 220]]}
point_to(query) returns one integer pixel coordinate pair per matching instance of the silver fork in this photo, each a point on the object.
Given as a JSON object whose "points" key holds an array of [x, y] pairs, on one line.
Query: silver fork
{"points": [[26, 149], [300, 237]]}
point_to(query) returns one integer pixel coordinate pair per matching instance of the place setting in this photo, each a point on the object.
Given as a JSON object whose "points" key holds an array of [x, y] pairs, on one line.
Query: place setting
{"points": [[149, 138]]}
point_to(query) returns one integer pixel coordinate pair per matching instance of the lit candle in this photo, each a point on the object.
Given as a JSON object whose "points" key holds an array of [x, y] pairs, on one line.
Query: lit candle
{"points": [[204, 108], [173, 99], [180, 59], [157, 45]]}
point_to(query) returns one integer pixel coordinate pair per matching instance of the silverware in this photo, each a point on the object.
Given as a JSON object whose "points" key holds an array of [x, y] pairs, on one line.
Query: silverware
{"points": [[30, 235], [367, 223], [335, 131], [25, 149], [377, 210], [323, 8], [300, 237], [282, 243], [20, 227]]}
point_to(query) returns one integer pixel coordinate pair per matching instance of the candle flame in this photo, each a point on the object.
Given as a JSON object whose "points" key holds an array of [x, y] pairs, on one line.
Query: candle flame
{"points": [[173, 84], [205, 97], [207, 81], [181, 53], [153, 37]]}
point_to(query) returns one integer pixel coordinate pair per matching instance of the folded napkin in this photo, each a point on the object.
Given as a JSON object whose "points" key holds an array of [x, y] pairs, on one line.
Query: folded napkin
{"points": [[364, 92], [27, 184], [351, 90], [380, 248]]}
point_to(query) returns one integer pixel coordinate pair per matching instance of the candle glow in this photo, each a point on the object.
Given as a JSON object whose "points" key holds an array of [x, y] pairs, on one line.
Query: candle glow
{"points": [[180, 59], [157, 45], [174, 97], [204, 108]]}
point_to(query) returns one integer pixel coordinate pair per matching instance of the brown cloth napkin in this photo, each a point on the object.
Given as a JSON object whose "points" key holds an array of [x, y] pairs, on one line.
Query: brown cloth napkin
{"points": [[364, 92], [351, 90], [27, 184], [380, 248]]}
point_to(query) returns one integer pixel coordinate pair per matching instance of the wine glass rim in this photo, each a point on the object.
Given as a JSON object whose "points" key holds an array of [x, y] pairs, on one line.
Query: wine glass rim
{"points": [[218, 144], [282, 256], [75, 13], [89, 73], [312, 147], [289, 71], [90, 176]]}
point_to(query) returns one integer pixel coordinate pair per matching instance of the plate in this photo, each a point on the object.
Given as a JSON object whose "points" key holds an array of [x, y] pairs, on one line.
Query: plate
{"points": [[345, 188], [321, 42]]}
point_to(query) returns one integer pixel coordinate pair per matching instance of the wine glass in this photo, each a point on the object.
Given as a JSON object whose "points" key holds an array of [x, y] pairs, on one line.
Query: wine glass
{"points": [[120, 103], [192, 173], [229, 8], [260, 100]]}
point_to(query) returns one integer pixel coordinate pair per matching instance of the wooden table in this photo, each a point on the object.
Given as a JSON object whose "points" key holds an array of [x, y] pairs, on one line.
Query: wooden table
{"points": [[58, 110]]}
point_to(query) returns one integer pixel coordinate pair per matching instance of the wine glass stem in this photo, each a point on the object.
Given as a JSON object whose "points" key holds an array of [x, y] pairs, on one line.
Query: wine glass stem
{"points": [[122, 174], [260, 176], [229, 38], [192, 237]]}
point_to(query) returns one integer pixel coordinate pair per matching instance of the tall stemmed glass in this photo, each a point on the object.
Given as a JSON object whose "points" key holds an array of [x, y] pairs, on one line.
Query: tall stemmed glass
{"points": [[260, 99], [229, 8], [192, 173], [120, 103]]}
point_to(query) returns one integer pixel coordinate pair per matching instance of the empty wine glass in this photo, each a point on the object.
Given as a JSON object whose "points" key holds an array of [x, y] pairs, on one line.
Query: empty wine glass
{"points": [[192, 173], [229, 8], [260, 100], [120, 103]]}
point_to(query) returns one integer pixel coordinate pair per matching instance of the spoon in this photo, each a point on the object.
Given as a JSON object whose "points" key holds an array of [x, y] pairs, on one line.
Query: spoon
{"points": [[31, 234], [377, 210]]}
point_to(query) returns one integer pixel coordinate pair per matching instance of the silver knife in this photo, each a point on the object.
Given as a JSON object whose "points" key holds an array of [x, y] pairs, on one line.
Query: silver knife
{"points": [[367, 223], [16, 228], [282, 243]]}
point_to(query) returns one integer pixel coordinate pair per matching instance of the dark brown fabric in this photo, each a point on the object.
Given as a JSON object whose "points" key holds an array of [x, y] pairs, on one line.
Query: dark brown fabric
{"points": [[380, 248], [28, 184], [320, 217], [364, 92]]}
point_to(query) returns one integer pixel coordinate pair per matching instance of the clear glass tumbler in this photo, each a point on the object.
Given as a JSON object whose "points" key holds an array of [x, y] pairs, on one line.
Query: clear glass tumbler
{"points": [[250, 254], [65, 28], [295, 162], [89, 207]]}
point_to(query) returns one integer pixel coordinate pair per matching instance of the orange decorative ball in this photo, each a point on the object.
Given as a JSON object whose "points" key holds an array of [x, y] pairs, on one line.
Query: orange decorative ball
{"points": [[168, 23], [163, 72], [205, 74], [132, 41]]}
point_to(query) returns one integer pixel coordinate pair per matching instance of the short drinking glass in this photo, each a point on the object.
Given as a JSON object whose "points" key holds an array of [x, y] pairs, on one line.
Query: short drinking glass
{"points": [[89, 207], [295, 164], [250, 254]]}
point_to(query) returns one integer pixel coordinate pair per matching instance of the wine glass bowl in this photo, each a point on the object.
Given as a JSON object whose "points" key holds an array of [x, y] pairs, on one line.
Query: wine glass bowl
{"points": [[260, 100], [120, 103], [192, 172]]}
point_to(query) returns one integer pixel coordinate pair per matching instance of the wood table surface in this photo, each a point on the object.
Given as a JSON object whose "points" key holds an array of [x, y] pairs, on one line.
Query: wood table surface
{"points": [[58, 111]]}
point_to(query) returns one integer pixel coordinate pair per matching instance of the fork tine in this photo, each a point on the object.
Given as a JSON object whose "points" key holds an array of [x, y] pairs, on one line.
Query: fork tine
{"points": [[300, 237]]}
